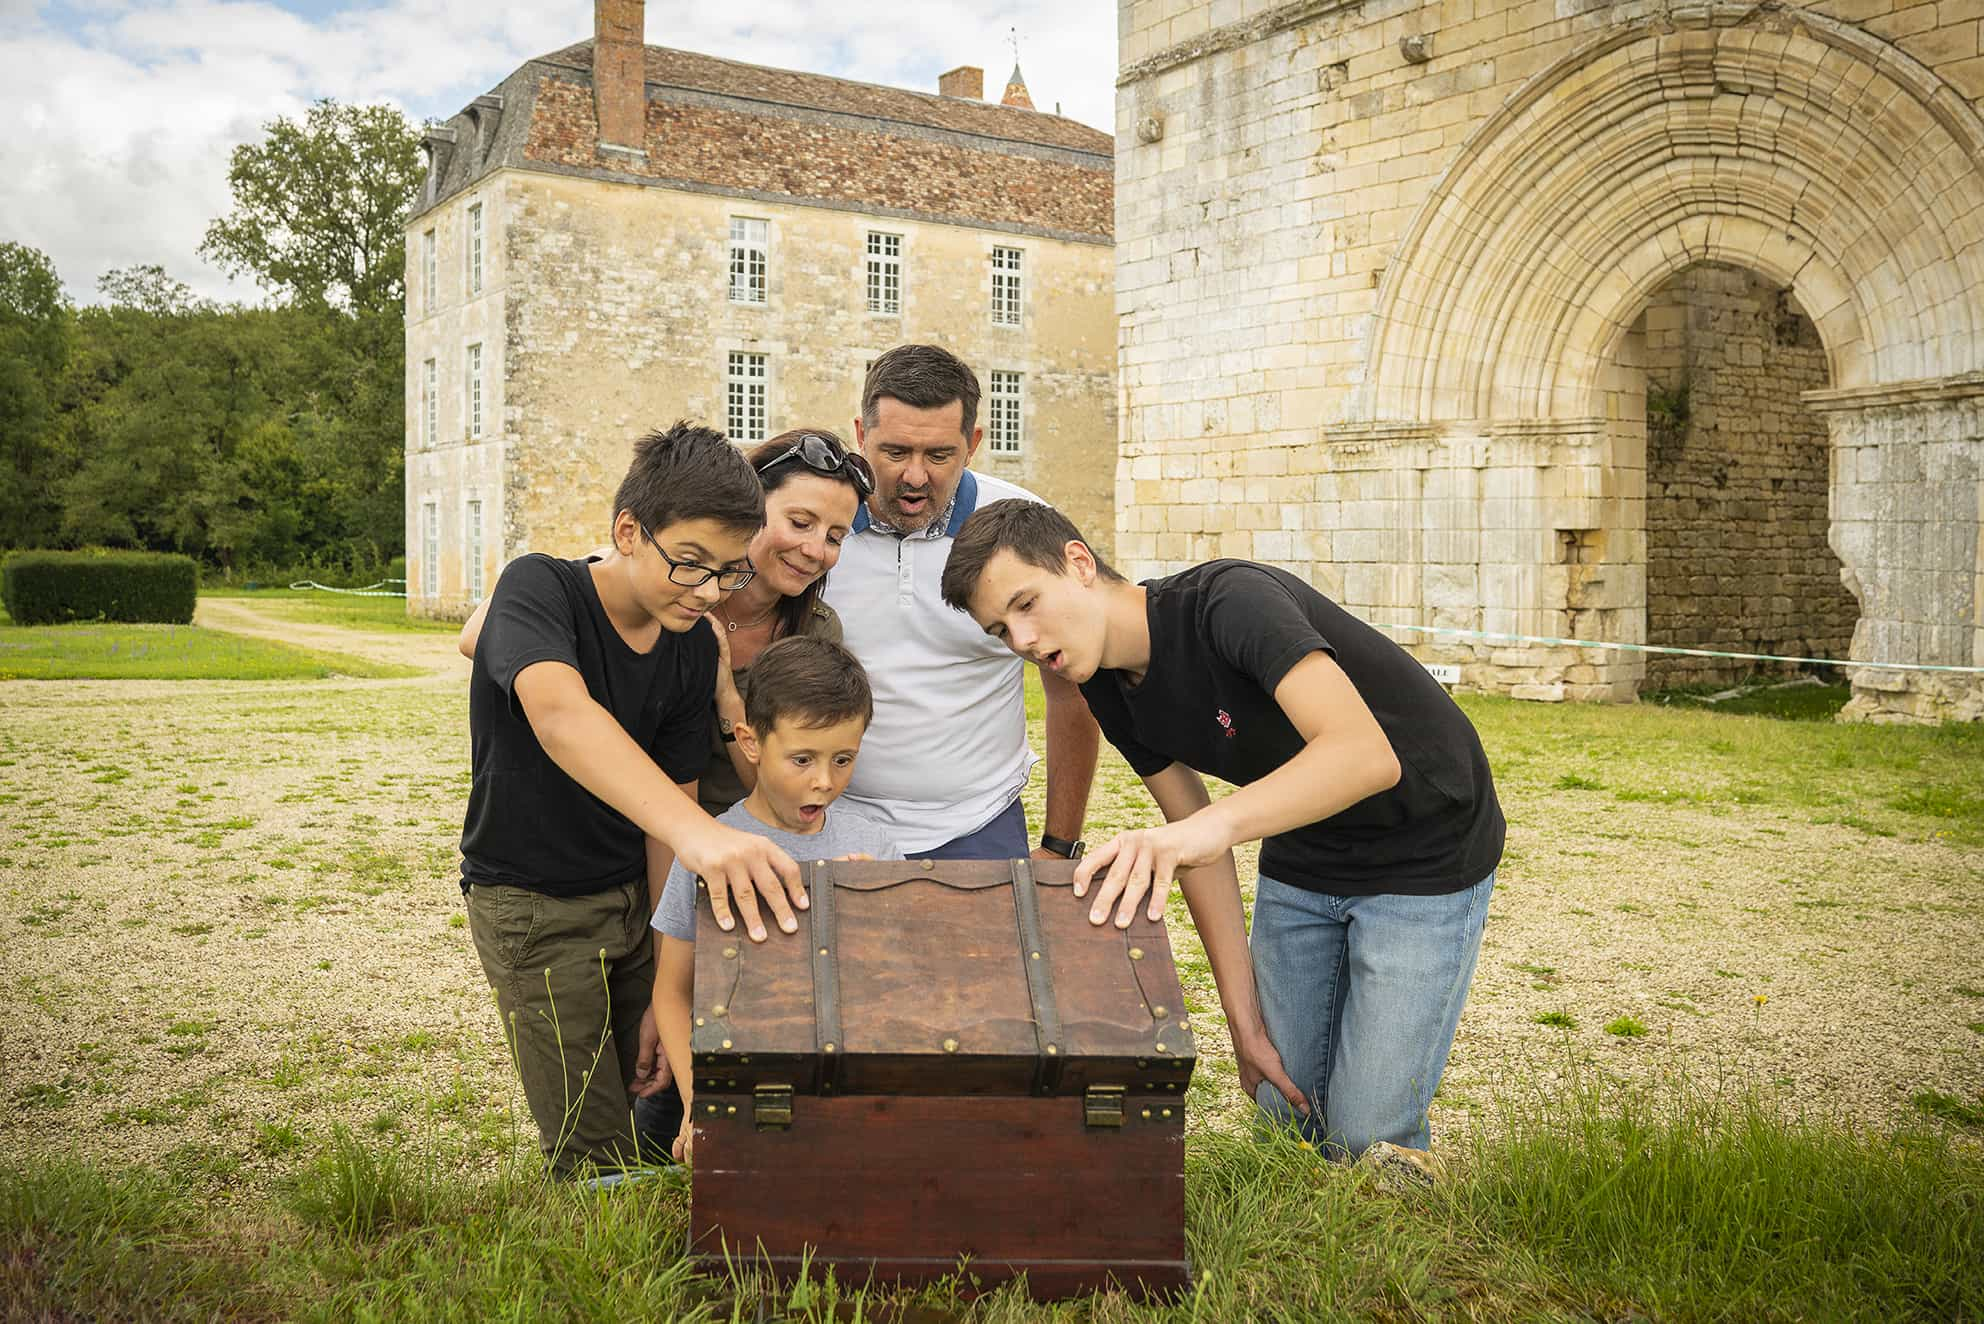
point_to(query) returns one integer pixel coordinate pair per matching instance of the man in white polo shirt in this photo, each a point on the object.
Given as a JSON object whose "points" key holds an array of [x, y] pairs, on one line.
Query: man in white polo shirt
{"points": [[946, 758]]}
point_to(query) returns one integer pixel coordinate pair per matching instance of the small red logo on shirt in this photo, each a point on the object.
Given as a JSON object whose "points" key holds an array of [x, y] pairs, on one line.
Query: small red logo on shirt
{"points": [[1226, 721]]}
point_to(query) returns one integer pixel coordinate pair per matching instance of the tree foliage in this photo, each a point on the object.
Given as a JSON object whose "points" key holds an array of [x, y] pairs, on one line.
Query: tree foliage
{"points": [[35, 330], [246, 436], [320, 208]]}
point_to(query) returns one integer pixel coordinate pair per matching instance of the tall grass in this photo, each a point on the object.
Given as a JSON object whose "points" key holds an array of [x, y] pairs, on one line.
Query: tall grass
{"points": [[1593, 1202], [1696, 1206]]}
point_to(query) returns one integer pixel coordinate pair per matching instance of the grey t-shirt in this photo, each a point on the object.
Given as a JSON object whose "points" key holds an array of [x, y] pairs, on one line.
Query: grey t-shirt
{"points": [[846, 832]]}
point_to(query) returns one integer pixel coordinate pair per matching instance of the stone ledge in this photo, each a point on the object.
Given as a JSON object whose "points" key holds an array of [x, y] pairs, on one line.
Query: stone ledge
{"points": [[1231, 36], [1922, 390]]}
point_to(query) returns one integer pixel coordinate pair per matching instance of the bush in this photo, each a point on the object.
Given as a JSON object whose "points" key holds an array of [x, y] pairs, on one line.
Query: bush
{"points": [[47, 588]]}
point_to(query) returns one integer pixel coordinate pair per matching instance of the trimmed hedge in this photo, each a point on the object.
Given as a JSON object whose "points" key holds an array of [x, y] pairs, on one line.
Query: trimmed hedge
{"points": [[48, 588]]}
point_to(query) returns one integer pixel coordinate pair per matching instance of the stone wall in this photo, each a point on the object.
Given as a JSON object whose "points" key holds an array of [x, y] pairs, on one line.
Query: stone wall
{"points": [[1737, 480], [615, 318], [443, 478], [1380, 263]]}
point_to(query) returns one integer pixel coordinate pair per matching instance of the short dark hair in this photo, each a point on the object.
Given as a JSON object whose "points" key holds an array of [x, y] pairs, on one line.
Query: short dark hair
{"points": [[1038, 534], [922, 377], [690, 472], [814, 681]]}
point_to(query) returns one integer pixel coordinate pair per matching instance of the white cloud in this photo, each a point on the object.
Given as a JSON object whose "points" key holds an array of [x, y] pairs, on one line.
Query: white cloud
{"points": [[119, 118]]}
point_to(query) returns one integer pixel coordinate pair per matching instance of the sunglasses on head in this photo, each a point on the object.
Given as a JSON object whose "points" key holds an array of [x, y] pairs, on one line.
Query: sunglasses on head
{"points": [[822, 456]]}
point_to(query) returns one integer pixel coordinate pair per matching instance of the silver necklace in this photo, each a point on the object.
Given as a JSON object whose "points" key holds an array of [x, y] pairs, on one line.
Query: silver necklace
{"points": [[762, 617]]}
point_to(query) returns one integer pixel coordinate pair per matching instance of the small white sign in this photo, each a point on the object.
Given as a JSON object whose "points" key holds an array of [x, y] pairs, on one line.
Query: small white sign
{"points": [[1444, 672]]}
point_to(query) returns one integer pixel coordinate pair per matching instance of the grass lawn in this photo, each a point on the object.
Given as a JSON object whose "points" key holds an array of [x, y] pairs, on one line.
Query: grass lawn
{"points": [[314, 607], [1723, 1057], [120, 651]]}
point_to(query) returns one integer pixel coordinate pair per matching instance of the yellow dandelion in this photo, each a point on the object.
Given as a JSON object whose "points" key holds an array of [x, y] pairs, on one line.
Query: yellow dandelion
{"points": [[1762, 999]]}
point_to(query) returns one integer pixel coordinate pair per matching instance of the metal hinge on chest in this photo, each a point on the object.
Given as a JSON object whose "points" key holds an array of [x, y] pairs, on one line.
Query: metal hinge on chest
{"points": [[1102, 1106], [771, 1107]]}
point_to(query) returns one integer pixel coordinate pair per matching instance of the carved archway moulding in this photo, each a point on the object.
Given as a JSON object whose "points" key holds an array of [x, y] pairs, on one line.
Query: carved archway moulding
{"points": [[1784, 142]]}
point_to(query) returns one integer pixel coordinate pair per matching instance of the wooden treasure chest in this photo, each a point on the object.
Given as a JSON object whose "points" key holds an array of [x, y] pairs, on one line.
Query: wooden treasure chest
{"points": [[947, 1065]]}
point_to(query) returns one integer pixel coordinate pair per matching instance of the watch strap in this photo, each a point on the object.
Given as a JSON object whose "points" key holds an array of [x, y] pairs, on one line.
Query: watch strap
{"points": [[1062, 846]]}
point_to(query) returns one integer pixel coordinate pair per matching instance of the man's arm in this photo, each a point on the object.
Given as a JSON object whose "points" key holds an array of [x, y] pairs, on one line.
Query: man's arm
{"points": [[1212, 893], [596, 752], [1072, 741], [1346, 758]]}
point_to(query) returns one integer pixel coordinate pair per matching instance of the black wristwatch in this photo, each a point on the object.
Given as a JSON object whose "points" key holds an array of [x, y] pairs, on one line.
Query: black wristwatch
{"points": [[1062, 846]]}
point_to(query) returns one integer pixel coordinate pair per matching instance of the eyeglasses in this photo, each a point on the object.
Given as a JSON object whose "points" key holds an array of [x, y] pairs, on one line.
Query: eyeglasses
{"points": [[694, 574], [821, 455]]}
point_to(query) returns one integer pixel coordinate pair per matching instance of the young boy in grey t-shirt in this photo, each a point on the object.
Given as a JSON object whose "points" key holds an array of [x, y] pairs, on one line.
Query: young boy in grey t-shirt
{"points": [[802, 728]]}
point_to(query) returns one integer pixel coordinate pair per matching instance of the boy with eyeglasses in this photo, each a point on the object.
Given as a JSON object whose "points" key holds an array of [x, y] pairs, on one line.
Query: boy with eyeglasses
{"points": [[589, 708]]}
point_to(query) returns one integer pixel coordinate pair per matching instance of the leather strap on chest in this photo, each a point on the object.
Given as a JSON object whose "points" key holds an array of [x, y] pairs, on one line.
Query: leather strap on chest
{"points": [[826, 974], [1034, 957]]}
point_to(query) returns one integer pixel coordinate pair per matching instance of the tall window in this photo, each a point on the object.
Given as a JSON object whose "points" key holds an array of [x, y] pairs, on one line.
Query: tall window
{"points": [[1005, 287], [747, 397], [430, 550], [430, 404], [473, 522], [748, 243], [426, 272], [884, 272], [474, 400], [1004, 433], [475, 249]]}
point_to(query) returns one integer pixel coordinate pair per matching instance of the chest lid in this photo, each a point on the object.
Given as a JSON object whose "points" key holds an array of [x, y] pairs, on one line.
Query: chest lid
{"points": [[940, 977]]}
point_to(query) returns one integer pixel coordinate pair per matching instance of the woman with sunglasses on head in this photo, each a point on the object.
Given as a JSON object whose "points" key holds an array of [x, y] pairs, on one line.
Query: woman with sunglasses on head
{"points": [[813, 487]]}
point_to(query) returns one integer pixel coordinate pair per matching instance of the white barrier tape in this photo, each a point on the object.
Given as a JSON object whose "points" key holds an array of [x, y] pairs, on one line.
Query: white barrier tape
{"points": [[378, 590], [1685, 652]]}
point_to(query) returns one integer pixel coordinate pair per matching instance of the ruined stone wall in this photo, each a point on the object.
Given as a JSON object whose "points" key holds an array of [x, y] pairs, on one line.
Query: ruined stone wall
{"points": [[1379, 260], [1736, 481]]}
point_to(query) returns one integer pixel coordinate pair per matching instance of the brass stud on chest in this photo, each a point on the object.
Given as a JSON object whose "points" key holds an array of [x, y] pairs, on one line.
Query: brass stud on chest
{"points": [[950, 1045]]}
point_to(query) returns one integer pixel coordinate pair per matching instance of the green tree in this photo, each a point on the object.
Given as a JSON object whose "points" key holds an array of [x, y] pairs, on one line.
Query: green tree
{"points": [[319, 217], [35, 336], [320, 208], [147, 287]]}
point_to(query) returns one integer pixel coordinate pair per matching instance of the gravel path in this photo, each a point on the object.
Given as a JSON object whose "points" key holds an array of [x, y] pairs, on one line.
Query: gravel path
{"points": [[229, 919]]}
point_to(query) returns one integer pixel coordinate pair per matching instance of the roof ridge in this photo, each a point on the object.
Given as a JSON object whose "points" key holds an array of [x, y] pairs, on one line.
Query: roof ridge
{"points": [[935, 99]]}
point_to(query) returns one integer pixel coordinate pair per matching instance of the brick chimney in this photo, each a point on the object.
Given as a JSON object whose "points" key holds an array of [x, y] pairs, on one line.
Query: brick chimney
{"points": [[619, 73], [964, 81]]}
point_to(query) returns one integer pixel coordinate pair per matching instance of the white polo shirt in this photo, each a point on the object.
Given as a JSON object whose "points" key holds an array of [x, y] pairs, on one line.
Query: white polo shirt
{"points": [[947, 750]]}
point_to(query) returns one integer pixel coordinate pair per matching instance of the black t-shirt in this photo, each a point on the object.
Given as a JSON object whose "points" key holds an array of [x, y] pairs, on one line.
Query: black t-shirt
{"points": [[1222, 636], [529, 824]]}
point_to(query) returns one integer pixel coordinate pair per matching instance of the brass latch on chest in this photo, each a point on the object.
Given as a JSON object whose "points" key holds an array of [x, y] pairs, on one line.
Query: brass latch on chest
{"points": [[1102, 1106], [771, 1107]]}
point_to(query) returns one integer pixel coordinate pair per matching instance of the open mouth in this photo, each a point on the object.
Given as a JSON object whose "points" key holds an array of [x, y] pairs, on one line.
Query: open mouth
{"points": [[912, 504], [1054, 661], [811, 813]]}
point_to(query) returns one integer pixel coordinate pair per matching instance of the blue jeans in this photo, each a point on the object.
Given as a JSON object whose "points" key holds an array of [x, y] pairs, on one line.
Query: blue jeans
{"points": [[1004, 838], [1362, 995]]}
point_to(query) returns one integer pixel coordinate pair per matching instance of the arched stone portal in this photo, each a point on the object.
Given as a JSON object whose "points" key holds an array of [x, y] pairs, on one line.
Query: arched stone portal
{"points": [[1737, 477], [1779, 142]]}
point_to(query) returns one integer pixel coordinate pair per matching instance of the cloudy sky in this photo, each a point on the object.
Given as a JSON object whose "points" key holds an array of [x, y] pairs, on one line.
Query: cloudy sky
{"points": [[119, 115]]}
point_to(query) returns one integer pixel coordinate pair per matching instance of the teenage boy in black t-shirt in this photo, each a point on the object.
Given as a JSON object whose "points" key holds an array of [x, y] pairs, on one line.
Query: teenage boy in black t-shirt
{"points": [[1368, 788], [588, 721]]}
